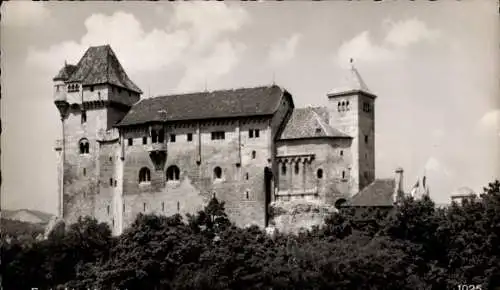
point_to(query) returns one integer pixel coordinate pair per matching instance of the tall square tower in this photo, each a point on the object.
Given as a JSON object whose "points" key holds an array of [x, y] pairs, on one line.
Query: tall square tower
{"points": [[352, 111]]}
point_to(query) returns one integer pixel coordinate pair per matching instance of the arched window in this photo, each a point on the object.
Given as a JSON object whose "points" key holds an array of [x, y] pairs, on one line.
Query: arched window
{"points": [[173, 173], [283, 169], [144, 175], [84, 146], [297, 168], [347, 105], [319, 173], [254, 154], [217, 172]]}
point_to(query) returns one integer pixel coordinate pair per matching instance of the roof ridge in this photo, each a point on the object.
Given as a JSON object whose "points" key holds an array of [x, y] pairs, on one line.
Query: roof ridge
{"points": [[318, 119], [215, 91]]}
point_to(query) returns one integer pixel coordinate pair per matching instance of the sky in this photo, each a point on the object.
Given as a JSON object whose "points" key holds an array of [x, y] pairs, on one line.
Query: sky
{"points": [[433, 65]]}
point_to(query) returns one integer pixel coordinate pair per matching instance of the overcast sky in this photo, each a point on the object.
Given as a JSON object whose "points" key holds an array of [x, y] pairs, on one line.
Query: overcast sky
{"points": [[434, 67]]}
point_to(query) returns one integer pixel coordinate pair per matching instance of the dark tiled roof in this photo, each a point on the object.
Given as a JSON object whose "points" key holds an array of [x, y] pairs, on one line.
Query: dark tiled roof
{"points": [[65, 72], [206, 105], [379, 193], [310, 123], [99, 65]]}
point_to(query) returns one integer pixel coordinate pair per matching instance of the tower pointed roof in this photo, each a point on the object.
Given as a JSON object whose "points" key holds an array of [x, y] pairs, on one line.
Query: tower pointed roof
{"points": [[99, 65], [351, 83]]}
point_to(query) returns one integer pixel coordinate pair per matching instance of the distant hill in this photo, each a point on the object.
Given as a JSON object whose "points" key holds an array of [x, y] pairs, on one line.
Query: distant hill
{"points": [[21, 230], [26, 215]]}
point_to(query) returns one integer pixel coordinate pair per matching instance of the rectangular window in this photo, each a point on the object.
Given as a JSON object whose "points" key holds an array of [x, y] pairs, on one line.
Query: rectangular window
{"points": [[91, 88], [85, 172], [144, 140], [144, 206], [172, 137], [130, 141], [84, 117], [218, 135], [111, 182], [257, 133], [189, 137], [123, 207], [115, 183], [250, 133], [162, 206], [366, 138]]}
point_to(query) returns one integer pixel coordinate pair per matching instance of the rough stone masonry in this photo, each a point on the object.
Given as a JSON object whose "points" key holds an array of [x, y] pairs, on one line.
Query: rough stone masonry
{"points": [[120, 154]]}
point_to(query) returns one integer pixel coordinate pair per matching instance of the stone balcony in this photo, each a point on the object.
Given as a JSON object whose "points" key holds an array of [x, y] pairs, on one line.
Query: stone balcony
{"points": [[155, 147], [299, 191], [108, 135], [58, 145]]}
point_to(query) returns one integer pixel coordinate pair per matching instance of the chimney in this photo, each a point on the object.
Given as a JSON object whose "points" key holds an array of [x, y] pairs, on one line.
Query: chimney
{"points": [[398, 188]]}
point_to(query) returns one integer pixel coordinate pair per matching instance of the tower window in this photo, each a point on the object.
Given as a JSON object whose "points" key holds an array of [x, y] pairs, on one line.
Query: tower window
{"points": [[130, 141], [84, 146], [297, 168], [254, 154], [366, 138], [84, 117], [283, 169], [246, 194], [144, 140], [319, 173], [84, 171], [154, 136], [343, 174], [123, 207], [161, 136], [162, 206], [144, 175], [189, 137], [144, 207], [108, 209], [172, 137], [173, 173], [217, 173]]}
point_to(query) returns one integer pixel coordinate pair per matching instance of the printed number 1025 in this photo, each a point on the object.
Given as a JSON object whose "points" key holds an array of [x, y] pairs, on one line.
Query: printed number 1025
{"points": [[469, 287]]}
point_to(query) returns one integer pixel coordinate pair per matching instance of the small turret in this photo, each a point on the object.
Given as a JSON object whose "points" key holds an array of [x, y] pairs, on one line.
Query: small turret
{"points": [[60, 97], [398, 188]]}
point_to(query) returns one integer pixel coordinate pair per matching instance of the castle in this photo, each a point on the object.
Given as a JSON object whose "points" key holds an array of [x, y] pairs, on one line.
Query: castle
{"points": [[121, 154]]}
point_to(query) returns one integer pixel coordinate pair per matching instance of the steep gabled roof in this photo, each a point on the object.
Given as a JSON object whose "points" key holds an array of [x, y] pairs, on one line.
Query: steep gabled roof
{"points": [[256, 101], [65, 72], [100, 65], [306, 123], [352, 82], [379, 193]]}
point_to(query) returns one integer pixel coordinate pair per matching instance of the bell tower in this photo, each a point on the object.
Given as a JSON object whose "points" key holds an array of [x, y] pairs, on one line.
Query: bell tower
{"points": [[352, 111]]}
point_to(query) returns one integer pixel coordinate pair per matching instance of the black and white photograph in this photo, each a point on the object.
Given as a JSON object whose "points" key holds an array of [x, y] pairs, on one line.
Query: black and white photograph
{"points": [[272, 145]]}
